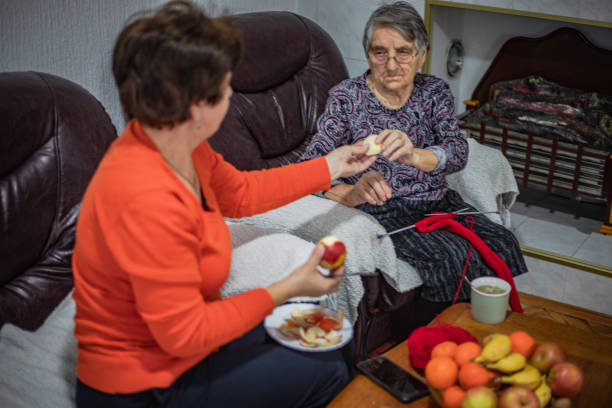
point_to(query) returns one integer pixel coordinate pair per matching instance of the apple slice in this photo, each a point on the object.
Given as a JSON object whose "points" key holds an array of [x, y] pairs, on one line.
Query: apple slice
{"points": [[373, 147]]}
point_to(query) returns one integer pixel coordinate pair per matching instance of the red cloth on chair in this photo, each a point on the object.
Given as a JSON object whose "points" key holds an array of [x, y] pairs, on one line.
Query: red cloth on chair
{"points": [[447, 221]]}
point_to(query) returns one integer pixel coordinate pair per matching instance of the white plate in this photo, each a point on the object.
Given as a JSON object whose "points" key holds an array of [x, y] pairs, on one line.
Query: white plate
{"points": [[282, 313]]}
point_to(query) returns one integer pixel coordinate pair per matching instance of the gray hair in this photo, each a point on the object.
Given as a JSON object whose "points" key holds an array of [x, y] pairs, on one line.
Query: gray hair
{"points": [[402, 17]]}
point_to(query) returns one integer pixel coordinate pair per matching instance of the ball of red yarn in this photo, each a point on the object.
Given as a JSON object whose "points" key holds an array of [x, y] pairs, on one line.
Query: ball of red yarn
{"points": [[424, 339]]}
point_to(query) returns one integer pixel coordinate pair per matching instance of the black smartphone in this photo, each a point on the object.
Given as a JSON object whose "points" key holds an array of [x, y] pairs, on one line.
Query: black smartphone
{"points": [[393, 378]]}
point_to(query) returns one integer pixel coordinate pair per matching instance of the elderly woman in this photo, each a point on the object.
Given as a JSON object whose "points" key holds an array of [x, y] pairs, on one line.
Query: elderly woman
{"points": [[413, 116], [152, 248]]}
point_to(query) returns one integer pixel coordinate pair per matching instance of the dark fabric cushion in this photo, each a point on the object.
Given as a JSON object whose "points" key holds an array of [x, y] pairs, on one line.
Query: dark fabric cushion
{"points": [[53, 133], [280, 89]]}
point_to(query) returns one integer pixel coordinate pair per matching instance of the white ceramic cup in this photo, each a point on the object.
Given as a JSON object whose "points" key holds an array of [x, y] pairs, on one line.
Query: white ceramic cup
{"points": [[489, 308]]}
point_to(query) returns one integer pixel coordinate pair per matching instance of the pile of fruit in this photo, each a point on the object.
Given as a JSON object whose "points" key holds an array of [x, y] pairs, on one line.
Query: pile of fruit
{"points": [[505, 371]]}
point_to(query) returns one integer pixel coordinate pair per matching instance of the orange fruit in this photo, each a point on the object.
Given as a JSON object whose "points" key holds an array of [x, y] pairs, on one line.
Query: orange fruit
{"points": [[452, 396], [474, 375], [466, 352], [444, 349], [522, 342], [441, 372]]}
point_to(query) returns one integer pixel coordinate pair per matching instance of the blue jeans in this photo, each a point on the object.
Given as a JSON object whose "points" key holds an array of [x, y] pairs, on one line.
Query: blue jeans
{"points": [[252, 371]]}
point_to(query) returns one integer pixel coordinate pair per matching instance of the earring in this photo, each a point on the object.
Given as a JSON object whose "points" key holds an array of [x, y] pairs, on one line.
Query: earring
{"points": [[197, 126]]}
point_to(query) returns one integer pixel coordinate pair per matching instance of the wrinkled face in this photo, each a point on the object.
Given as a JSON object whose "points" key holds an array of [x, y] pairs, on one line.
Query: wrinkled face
{"points": [[393, 60]]}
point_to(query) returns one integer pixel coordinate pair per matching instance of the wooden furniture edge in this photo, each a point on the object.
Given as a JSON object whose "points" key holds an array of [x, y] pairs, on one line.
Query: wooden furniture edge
{"points": [[568, 261], [522, 13], [566, 309]]}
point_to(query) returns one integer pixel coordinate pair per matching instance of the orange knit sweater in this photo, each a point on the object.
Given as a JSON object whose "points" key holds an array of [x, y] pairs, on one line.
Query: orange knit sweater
{"points": [[149, 261]]}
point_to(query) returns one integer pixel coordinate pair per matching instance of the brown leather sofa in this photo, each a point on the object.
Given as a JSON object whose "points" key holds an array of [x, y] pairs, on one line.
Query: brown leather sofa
{"points": [[53, 133], [280, 89]]}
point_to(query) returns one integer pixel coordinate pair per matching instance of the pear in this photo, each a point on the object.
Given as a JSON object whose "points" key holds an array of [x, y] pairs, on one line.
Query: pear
{"points": [[509, 364], [496, 347], [528, 377]]}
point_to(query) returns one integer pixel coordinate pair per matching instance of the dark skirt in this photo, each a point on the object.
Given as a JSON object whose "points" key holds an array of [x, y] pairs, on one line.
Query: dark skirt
{"points": [[439, 256]]}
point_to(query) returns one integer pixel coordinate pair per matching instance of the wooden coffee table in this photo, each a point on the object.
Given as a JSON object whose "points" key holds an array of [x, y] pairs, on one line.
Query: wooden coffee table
{"points": [[585, 335]]}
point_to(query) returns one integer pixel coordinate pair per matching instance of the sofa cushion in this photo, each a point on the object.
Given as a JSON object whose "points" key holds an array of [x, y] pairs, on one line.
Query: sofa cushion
{"points": [[39, 367], [53, 133], [280, 89]]}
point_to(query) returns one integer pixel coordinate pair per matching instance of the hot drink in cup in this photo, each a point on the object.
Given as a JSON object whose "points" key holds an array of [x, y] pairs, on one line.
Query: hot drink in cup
{"points": [[489, 299]]}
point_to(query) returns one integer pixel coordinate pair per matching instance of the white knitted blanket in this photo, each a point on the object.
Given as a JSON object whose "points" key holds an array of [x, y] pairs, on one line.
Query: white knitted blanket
{"points": [[267, 247], [487, 182]]}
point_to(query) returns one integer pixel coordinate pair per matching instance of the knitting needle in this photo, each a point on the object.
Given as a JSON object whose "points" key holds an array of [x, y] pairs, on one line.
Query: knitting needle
{"points": [[379, 236], [465, 213], [459, 212]]}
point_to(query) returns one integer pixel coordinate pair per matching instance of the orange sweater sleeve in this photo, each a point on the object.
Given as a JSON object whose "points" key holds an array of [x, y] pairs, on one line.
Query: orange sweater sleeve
{"points": [[244, 193]]}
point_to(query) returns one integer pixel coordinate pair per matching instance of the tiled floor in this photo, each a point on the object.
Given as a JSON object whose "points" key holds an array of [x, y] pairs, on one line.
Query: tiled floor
{"points": [[571, 235]]}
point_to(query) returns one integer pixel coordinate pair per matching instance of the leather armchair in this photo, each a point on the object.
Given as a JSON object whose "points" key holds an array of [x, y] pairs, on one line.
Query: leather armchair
{"points": [[53, 133], [280, 89]]}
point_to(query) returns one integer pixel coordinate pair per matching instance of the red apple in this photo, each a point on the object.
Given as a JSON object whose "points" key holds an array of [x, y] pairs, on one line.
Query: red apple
{"points": [[518, 397], [547, 355], [334, 254], [479, 397], [565, 379]]}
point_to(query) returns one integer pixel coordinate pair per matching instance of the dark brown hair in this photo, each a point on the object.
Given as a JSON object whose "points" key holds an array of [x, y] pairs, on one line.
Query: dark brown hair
{"points": [[176, 57]]}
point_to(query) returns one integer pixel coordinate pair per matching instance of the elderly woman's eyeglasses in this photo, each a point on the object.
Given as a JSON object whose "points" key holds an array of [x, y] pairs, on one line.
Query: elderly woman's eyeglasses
{"points": [[402, 56]]}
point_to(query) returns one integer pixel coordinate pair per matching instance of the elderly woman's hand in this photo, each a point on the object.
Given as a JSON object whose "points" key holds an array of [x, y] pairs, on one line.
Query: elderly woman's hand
{"points": [[371, 188], [396, 145], [346, 161]]}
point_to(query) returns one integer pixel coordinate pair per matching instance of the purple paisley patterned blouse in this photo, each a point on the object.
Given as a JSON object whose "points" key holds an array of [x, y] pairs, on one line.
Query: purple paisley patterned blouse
{"points": [[428, 118]]}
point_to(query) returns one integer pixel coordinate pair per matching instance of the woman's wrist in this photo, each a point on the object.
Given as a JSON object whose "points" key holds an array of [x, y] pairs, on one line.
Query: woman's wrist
{"points": [[280, 291], [411, 159], [422, 159]]}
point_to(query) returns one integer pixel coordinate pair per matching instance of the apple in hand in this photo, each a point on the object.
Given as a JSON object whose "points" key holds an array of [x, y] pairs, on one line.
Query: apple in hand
{"points": [[334, 254], [565, 379], [547, 355], [518, 397], [479, 397]]}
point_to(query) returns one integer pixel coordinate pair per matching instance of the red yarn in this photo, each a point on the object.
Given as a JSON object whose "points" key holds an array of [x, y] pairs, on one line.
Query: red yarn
{"points": [[424, 339], [493, 260], [470, 223]]}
